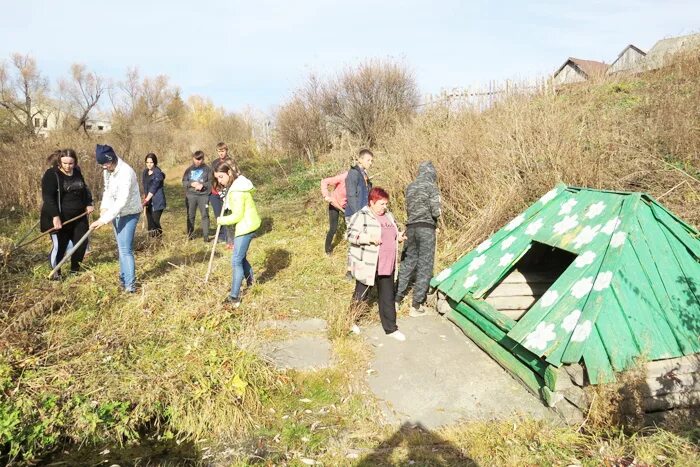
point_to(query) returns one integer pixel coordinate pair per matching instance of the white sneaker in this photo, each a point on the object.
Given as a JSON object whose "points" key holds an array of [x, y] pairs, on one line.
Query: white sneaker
{"points": [[398, 335], [355, 329], [416, 312]]}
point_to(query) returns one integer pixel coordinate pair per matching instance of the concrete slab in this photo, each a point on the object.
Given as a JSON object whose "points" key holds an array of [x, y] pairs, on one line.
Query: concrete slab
{"points": [[439, 377], [304, 325], [299, 353]]}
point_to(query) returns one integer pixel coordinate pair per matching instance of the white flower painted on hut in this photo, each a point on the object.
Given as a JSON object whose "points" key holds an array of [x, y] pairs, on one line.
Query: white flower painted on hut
{"points": [[485, 245], [508, 242], [540, 337], [611, 226], [506, 259], [515, 223], [602, 281], [477, 263], [585, 259], [568, 223], [549, 298], [582, 287], [595, 210], [549, 196], [582, 331], [444, 274], [534, 227], [569, 322], [567, 206], [470, 281], [618, 239], [586, 236]]}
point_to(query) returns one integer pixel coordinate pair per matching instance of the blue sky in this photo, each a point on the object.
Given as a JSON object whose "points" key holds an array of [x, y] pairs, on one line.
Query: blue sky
{"points": [[255, 53]]}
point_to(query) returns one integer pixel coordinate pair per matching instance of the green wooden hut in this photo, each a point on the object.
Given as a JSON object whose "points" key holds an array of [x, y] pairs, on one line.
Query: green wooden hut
{"points": [[585, 281]]}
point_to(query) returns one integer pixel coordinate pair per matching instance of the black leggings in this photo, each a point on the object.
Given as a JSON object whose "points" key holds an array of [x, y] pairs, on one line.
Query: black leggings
{"points": [[153, 220], [71, 232], [333, 215], [387, 306]]}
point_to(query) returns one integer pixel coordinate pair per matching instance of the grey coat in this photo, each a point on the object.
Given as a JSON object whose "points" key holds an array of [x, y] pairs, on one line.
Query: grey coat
{"points": [[423, 197]]}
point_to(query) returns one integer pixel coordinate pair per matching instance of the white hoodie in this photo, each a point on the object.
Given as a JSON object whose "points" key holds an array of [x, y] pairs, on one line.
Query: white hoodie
{"points": [[121, 195]]}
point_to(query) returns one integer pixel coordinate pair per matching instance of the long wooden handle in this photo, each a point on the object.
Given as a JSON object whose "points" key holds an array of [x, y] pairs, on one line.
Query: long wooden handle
{"points": [[67, 256], [211, 256], [48, 232], [24, 237]]}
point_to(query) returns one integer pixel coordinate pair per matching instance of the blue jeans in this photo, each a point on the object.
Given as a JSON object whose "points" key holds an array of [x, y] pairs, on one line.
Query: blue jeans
{"points": [[239, 263], [124, 229]]}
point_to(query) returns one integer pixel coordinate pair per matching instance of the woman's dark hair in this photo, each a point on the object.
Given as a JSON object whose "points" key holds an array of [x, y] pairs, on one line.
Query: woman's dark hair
{"points": [[198, 155], [153, 157], [226, 167], [53, 158], [68, 153]]}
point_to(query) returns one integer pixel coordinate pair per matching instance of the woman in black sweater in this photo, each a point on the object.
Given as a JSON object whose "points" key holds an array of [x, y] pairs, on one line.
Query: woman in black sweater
{"points": [[65, 195], [154, 198]]}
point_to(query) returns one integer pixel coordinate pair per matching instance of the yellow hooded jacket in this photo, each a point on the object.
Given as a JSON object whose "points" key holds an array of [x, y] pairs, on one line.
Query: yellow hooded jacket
{"points": [[239, 199]]}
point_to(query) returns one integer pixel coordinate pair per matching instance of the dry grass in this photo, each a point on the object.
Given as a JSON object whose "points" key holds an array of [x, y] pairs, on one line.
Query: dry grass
{"points": [[90, 364], [627, 133]]}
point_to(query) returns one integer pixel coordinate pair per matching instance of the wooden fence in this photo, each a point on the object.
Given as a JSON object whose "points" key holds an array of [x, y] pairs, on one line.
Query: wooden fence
{"points": [[483, 96]]}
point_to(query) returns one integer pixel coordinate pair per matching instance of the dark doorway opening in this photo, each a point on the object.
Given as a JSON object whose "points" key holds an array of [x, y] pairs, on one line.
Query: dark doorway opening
{"points": [[529, 279]]}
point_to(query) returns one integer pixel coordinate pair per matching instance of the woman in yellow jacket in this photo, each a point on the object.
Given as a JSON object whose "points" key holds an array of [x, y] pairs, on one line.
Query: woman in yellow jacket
{"points": [[239, 203]]}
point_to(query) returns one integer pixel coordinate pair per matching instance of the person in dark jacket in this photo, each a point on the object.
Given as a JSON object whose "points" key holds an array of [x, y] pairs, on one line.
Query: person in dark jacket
{"points": [[197, 181], [153, 179], [423, 211], [357, 184], [216, 199], [65, 195]]}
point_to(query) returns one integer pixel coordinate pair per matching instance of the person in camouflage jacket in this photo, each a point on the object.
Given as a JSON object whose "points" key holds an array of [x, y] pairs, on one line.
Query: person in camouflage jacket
{"points": [[423, 211]]}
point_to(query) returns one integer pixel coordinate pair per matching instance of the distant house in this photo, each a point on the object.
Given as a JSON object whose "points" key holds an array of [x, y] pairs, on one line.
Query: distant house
{"points": [[660, 54], [46, 119], [575, 70], [628, 60], [98, 125]]}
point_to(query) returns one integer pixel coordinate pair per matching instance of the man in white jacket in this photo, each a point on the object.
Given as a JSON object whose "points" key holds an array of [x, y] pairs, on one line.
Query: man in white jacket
{"points": [[121, 205]]}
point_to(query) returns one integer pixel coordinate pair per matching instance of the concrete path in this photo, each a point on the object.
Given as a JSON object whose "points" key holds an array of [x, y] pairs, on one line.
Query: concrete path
{"points": [[304, 346], [438, 377]]}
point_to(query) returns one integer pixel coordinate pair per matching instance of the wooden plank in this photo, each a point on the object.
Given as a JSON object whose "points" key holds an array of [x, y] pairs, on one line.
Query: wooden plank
{"points": [[452, 286], [518, 277], [515, 315], [678, 366], [522, 302], [615, 332], [598, 366], [490, 313], [532, 381], [669, 271], [689, 281], [640, 309], [499, 336], [665, 305], [678, 229], [671, 383], [680, 400], [610, 263], [515, 289]]}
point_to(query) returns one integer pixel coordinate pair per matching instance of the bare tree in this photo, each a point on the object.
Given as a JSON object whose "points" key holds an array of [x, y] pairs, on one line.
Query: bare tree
{"points": [[83, 90], [369, 100], [21, 87]]}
